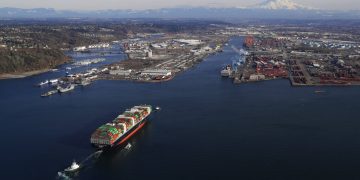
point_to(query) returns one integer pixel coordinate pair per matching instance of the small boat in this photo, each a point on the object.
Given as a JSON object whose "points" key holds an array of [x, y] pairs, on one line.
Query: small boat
{"points": [[89, 62], [319, 91], [74, 167], [226, 72], [49, 93], [157, 108], [68, 88], [43, 83], [54, 70], [128, 146], [85, 82], [54, 82]]}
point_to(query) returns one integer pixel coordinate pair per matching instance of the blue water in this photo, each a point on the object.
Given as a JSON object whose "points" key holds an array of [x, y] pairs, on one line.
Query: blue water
{"points": [[208, 128]]}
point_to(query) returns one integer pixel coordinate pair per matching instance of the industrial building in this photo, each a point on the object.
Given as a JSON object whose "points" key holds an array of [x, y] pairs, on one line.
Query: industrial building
{"points": [[120, 72], [156, 72]]}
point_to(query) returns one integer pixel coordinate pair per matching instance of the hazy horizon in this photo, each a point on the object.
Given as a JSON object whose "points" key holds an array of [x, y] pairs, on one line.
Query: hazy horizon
{"points": [[156, 4]]}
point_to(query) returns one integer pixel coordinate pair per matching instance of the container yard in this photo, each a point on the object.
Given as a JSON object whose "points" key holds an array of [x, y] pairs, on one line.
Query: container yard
{"points": [[307, 57]]}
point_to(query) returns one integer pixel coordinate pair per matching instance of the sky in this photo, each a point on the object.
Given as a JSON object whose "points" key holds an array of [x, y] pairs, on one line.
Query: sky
{"points": [[155, 4]]}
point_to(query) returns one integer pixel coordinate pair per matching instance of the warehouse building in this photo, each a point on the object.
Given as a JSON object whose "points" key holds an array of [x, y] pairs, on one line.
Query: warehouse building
{"points": [[156, 72]]}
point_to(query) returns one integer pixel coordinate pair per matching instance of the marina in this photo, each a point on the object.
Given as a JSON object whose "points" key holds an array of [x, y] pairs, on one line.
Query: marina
{"points": [[83, 72]]}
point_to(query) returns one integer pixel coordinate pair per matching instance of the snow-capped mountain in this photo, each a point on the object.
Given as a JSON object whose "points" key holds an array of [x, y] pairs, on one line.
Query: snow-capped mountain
{"points": [[280, 5]]}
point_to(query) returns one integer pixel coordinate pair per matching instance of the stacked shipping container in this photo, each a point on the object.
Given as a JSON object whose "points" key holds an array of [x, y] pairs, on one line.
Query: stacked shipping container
{"points": [[109, 133]]}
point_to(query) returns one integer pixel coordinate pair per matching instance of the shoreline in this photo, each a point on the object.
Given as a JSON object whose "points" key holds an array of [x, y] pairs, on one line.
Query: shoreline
{"points": [[22, 75], [295, 85]]}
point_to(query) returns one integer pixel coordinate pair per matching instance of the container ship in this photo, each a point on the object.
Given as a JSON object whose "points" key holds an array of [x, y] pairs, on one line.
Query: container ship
{"points": [[121, 128]]}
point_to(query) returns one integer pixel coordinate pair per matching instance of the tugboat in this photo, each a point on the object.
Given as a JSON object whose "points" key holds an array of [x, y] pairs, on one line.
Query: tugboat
{"points": [[70, 171], [73, 168]]}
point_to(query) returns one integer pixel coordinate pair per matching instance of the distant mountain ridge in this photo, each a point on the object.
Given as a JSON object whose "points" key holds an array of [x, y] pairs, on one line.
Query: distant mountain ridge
{"points": [[280, 4], [272, 9]]}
